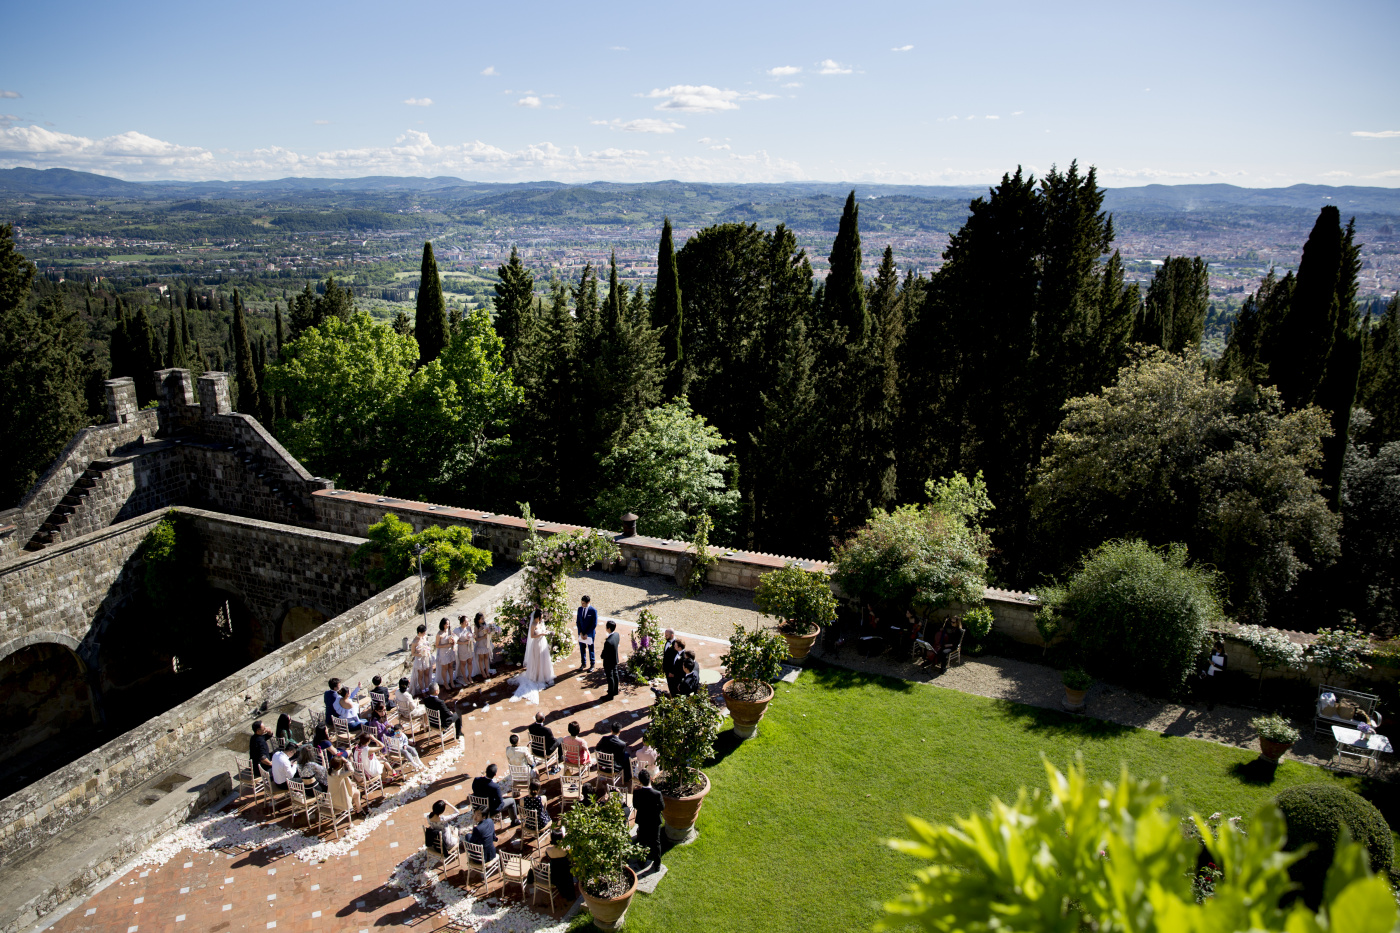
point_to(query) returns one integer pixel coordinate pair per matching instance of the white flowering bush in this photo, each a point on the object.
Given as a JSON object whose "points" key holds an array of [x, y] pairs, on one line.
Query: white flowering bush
{"points": [[1274, 649], [1339, 651]]}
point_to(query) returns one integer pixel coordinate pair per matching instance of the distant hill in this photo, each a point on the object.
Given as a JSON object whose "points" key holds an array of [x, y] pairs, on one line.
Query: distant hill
{"points": [[737, 201]]}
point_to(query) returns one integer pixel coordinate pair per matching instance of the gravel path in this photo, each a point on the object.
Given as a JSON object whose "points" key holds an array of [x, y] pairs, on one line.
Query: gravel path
{"points": [[713, 613]]}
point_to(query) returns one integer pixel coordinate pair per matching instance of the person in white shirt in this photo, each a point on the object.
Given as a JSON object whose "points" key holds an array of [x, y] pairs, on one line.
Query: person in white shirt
{"points": [[397, 742], [408, 707], [282, 769], [516, 755], [348, 708]]}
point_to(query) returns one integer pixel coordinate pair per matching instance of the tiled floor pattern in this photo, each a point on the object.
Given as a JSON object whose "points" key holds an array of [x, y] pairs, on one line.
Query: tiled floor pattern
{"points": [[260, 890]]}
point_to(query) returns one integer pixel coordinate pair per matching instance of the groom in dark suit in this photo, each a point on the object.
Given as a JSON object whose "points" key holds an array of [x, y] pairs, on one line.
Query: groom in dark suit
{"points": [[587, 622], [610, 658]]}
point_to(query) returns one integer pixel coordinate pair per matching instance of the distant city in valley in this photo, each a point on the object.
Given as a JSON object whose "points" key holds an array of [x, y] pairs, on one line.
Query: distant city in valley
{"points": [[272, 237]]}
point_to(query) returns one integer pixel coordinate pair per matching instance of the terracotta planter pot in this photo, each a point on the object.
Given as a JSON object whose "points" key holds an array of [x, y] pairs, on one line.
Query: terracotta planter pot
{"points": [[746, 713], [1271, 750], [1074, 700], [799, 646], [681, 813], [609, 913]]}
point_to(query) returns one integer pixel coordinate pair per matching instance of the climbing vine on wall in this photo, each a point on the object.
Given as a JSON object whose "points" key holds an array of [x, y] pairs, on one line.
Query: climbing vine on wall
{"points": [[548, 564]]}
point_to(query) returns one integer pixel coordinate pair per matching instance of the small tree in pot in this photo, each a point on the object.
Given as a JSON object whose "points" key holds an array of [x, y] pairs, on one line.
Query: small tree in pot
{"points": [[1077, 683], [754, 661], [801, 601], [683, 732], [599, 849]]}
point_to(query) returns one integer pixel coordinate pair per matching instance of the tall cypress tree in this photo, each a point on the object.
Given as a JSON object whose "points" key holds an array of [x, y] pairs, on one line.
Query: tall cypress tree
{"points": [[1336, 393], [277, 325], [143, 342], [1379, 390], [844, 301], [515, 308], [1298, 346], [1178, 298], [175, 345], [667, 315], [249, 400], [430, 319]]}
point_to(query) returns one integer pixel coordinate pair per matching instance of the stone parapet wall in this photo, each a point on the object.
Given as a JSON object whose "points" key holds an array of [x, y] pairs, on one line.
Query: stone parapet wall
{"points": [[62, 593]]}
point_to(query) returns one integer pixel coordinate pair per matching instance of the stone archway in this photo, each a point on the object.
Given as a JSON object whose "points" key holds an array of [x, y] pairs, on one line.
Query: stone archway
{"points": [[299, 621], [44, 695]]}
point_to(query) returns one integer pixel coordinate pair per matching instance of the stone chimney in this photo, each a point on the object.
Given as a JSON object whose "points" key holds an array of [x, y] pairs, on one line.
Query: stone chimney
{"points": [[629, 525]]}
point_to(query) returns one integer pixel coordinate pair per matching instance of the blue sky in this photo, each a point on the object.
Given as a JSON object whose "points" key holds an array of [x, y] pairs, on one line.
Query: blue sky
{"points": [[1258, 94]]}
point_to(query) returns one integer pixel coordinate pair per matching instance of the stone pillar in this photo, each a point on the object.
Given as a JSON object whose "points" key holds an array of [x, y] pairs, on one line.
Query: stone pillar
{"points": [[121, 400], [213, 395], [173, 389]]}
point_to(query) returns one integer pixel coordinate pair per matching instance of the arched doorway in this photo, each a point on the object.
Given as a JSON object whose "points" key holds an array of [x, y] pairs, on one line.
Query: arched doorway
{"points": [[299, 621], [47, 708]]}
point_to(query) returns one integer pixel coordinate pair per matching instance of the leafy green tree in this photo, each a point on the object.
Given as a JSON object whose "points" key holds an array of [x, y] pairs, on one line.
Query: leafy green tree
{"points": [[248, 398], [1169, 454], [448, 557], [928, 555], [1138, 615], [667, 314], [1379, 389], [669, 471], [430, 318], [41, 374], [312, 310], [1178, 298], [515, 308], [1370, 537], [1112, 857]]}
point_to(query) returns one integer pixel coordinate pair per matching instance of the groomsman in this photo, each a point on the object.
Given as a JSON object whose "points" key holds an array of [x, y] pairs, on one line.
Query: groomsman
{"points": [[587, 622], [610, 647]]}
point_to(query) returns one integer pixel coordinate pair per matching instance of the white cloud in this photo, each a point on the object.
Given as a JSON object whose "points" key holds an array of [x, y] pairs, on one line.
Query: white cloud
{"points": [[991, 117], [1383, 134], [832, 67], [617, 48], [490, 70], [10, 95], [783, 71], [7, 120], [1336, 174], [1017, 113], [321, 122], [645, 125], [695, 98], [793, 84], [528, 102], [419, 102], [902, 48], [722, 146]]}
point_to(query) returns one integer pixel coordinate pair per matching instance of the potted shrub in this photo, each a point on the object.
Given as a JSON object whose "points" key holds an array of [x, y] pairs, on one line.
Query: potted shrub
{"points": [[599, 849], [754, 661], [1276, 735], [1077, 684], [801, 601], [683, 732], [644, 664], [978, 622]]}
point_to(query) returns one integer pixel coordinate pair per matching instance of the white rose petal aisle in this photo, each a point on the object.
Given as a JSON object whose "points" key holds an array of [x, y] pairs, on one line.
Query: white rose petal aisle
{"points": [[484, 915]]}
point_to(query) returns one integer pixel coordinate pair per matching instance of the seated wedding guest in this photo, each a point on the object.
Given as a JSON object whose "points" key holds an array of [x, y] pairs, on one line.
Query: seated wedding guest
{"points": [[309, 766], [594, 794], [322, 740], [535, 800], [378, 723], [645, 759], [539, 728], [408, 707], [518, 754], [561, 873], [575, 745], [330, 697], [367, 761], [345, 794], [283, 732], [434, 702], [395, 741], [282, 769], [378, 693], [497, 802], [484, 835], [612, 744], [348, 708], [438, 819], [690, 680], [260, 750]]}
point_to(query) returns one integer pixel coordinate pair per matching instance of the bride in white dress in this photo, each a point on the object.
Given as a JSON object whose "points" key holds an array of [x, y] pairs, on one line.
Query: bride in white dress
{"points": [[539, 662]]}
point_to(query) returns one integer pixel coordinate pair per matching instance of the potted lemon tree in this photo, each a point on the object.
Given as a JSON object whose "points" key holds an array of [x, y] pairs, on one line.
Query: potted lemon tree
{"points": [[754, 662], [599, 849], [801, 601], [683, 732]]}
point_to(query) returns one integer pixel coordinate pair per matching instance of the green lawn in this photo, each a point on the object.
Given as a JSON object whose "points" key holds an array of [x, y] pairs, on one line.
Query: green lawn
{"points": [[790, 836]]}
